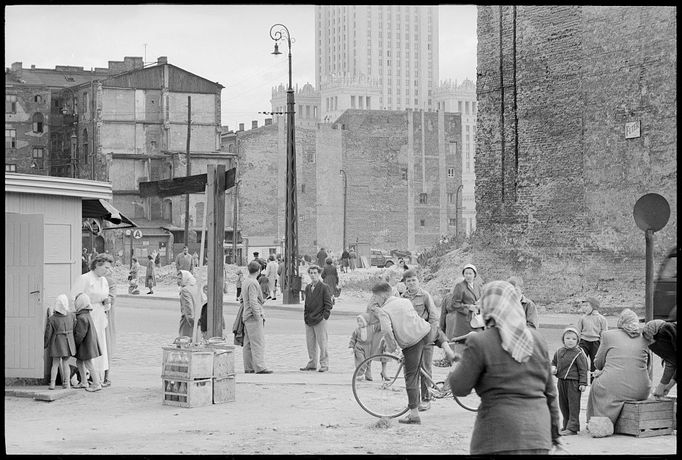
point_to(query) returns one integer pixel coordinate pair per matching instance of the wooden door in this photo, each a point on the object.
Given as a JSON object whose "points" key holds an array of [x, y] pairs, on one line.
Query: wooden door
{"points": [[24, 312]]}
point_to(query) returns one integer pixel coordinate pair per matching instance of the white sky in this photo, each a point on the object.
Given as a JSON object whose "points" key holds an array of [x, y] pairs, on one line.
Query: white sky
{"points": [[229, 44]]}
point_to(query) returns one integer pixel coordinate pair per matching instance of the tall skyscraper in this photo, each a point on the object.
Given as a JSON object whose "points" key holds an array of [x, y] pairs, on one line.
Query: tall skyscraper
{"points": [[394, 48]]}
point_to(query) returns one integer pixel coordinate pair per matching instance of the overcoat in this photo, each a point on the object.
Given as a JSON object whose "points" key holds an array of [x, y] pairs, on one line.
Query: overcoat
{"points": [[59, 339], [459, 316], [330, 277], [85, 336], [519, 408]]}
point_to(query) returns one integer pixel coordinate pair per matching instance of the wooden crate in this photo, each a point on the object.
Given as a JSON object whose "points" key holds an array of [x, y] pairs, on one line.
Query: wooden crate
{"points": [[224, 389], [187, 393], [187, 363], [223, 360], [646, 418]]}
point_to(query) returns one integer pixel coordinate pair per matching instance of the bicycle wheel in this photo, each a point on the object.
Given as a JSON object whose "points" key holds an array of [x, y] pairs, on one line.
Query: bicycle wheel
{"points": [[384, 395], [469, 402]]}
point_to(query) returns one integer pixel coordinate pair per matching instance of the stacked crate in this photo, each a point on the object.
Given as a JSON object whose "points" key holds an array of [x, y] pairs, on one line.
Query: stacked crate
{"points": [[646, 418], [187, 376], [224, 382]]}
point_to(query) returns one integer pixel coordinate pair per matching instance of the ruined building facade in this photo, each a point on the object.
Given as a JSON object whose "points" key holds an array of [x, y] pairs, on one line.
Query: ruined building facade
{"points": [[577, 119]]}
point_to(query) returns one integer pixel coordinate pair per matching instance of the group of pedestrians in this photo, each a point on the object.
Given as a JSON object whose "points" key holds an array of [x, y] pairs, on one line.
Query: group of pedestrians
{"points": [[83, 327]]}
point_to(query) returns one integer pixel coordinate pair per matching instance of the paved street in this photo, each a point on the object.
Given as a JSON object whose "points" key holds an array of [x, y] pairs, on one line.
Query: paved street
{"points": [[287, 412]]}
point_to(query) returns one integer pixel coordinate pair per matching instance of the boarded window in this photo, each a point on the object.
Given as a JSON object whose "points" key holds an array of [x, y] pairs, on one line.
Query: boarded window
{"points": [[423, 198], [38, 158], [10, 138], [10, 103], [38, 122]]}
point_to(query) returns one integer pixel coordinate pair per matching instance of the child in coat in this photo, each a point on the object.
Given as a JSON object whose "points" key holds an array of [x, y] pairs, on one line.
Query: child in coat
{"points": [[240, 278], [570, 366], [360, 342], [590, 327], [59, 341], [87, 347]]}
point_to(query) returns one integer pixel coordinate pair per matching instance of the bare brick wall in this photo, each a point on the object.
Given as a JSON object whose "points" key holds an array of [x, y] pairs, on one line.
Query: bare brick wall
{"points": [[553, 168]]}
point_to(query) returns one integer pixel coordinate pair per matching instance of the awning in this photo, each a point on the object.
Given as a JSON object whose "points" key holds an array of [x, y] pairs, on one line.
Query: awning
{"points": [[105, 210]]}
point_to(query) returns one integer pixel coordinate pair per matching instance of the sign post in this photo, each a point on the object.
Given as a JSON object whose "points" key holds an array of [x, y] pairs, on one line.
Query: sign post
{"points": [[651, 213]]}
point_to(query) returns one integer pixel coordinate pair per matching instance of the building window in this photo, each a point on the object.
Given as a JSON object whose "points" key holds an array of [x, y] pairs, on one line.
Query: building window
{"points": [[85, 146], [423, 198], [452, 222], [422, 222], [38, 98], [10, 138], [310, 156], [10, 168], [10, 103], [451, 198], [403, 173], [302, 188], [38, 122], [38, 158], [451, 173]]}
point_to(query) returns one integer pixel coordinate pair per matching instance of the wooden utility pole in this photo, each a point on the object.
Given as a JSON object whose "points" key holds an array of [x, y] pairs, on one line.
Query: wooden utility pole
{"points": [[215, 191], [189, 167]]}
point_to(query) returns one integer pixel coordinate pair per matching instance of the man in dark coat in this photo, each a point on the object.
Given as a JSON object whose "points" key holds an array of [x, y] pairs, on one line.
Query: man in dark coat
{"points": [[316, 312], [321, 257]]}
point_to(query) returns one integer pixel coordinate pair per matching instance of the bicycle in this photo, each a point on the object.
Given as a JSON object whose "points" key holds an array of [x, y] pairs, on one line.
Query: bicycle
{"points": [[385, 397]]}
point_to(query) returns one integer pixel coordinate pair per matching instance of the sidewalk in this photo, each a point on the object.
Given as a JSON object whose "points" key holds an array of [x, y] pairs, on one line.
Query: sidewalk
{"points": [[352, 306]]}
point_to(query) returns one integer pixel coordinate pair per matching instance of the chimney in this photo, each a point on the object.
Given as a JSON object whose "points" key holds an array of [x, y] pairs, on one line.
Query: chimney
{"points": [[241, 126], [132, 62], [268, 121], [33, 67], [162, 60], [16, 66], [254, 124]]}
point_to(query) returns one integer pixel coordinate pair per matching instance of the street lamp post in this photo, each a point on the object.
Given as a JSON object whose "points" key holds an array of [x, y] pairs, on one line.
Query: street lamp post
{"points": [[345, 190], [290, 278], [457, 210]]}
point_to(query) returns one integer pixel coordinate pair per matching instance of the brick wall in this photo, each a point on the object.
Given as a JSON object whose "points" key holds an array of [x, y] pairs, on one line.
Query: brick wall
{"points": [[553, 168]]}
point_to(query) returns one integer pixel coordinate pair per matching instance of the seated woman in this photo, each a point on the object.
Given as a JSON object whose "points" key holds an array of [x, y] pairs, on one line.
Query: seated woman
{"points": [[621, 362], [662, 339]]}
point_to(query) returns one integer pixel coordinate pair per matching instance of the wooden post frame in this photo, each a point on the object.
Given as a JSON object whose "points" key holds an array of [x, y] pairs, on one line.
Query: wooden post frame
{"points": [[215, 222]]}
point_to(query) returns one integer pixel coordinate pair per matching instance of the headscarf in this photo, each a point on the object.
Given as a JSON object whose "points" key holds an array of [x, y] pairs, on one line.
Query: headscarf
{"points": [[61, 305], [629, 322], [500, 302], [651, 328], [187, 279], [83, 302]]}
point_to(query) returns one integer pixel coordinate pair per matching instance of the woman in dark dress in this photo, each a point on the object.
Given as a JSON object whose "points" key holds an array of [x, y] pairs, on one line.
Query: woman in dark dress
{"points": [[330, 277], [662, 339]]}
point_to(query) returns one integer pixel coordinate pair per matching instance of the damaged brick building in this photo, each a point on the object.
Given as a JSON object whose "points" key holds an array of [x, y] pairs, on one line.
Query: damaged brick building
{"points": [[577, 119]]}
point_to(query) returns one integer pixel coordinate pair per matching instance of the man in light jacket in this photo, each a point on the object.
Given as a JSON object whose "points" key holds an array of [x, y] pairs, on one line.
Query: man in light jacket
{"points": [[402, 327]]}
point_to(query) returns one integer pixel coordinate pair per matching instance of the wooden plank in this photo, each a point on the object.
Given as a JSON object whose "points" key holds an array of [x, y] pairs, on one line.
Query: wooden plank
{"points": [[216, 235], [667, 415], [647, 405]]}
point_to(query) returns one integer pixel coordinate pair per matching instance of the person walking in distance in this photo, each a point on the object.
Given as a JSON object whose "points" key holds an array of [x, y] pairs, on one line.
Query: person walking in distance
{"points": [[352, 257], [150, 277], [184, 261], [316, 312], [238, 283], [591, 325], [271, 273], [321, 257], [345, 260], [254, 323]]}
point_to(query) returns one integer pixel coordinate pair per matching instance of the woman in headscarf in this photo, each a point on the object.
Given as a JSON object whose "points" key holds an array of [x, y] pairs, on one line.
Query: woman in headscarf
{"points": [[461, 306], [509, 367], [190, 302], [621, 362], [95, 285], [662, 339]]}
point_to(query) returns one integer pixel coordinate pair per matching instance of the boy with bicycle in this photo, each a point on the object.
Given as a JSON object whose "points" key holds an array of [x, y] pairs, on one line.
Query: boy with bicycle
{"points": [[423, 304], [402, 327]]}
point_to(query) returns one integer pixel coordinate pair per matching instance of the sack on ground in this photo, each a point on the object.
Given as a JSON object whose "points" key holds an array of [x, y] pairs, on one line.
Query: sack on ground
{"points": [[600, 427]]}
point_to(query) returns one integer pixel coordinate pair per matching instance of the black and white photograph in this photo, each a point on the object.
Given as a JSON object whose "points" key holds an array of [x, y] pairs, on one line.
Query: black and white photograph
{"points": [[319, 229]]}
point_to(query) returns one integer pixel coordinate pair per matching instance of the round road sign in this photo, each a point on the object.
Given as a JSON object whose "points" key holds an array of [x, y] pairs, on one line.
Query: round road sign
{"points": [[651, 212], [137, 234]]}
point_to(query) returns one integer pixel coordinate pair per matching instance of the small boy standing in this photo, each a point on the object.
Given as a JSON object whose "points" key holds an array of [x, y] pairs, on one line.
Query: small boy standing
{"points": [[361, 344], [590, 327], [570, 366]]}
